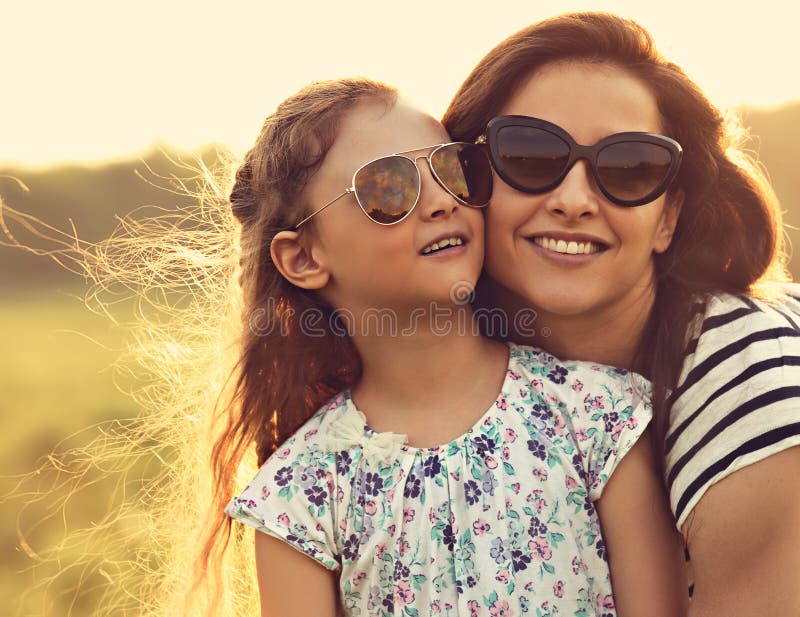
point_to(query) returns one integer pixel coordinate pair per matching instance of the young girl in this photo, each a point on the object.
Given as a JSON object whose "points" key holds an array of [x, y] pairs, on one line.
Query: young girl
{"points": [[410, 466], [682, 277]]}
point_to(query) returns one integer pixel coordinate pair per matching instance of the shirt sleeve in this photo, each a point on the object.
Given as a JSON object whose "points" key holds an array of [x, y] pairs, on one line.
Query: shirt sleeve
{"points": [[612, 410], [738, 400], [291, 498]]}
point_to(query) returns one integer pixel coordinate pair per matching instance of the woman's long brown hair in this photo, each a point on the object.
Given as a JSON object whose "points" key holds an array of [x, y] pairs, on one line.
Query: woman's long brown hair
{"points": [[729, 236]]}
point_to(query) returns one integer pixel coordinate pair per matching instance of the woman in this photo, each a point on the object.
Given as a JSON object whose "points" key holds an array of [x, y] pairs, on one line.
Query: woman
{"points": [[659, 251]]}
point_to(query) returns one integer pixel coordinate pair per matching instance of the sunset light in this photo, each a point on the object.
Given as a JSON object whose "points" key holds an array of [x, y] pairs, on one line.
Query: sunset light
{"points": [[91, 80]]}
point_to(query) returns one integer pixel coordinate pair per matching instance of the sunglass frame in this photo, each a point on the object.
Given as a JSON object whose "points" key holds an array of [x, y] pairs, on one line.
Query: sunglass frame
{"points": [[578, 152], [434, 149]]}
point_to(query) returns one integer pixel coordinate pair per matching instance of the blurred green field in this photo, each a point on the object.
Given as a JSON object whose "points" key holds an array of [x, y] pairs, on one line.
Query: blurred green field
{"points": [[57, 382]]}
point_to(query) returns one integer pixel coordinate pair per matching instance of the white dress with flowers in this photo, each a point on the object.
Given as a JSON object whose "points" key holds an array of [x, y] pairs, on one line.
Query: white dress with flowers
{"points": [[498, 522]]}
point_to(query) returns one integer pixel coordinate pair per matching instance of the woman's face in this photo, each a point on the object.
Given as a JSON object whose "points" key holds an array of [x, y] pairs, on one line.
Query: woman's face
{"points": [[590, 101]]}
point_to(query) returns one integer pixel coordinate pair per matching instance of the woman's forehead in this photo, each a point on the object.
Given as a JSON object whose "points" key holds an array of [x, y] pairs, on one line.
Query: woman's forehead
{"points": [[591, 99]]}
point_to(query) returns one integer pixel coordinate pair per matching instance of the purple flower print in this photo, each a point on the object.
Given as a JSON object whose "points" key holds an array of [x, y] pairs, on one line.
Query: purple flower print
{"points": [[499, 551], [400, 571], [358, 480], [373, 484], [537, 528], [577, 464], [472, 492], [489, 482], [601, 549], [283, 476], [519, 560], [343, 462], [558, 374], [412, 488], [349, 550], [307, 476], [374, 597], [540, 411], [537, 449], [448, 537], [484, 445], [611, 420], [316, 495], [432, 466], [367, 531]]}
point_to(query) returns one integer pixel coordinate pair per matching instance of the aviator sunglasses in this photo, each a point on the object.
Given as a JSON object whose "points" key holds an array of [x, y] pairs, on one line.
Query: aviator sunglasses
{"points": [[534, 156], [388, 188]]}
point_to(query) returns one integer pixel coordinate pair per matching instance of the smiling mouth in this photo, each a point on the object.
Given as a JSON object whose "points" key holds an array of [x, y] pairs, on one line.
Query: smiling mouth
{"points": [[441, 245], [571, 247]]}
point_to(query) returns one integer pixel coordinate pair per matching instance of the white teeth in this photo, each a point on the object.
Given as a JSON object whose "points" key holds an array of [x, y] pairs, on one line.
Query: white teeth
{"points": [[454, 241], [569, 248]]}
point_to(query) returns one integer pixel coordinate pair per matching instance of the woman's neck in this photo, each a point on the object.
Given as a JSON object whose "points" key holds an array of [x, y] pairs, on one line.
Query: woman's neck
{"points": [[608, 335]]}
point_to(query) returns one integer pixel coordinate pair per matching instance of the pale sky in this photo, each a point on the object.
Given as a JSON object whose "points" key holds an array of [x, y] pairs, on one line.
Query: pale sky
{"points": [[88, 80]]}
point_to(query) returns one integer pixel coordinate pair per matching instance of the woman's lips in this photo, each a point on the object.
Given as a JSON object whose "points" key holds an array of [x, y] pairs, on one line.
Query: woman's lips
{"points": [[567, 252]]}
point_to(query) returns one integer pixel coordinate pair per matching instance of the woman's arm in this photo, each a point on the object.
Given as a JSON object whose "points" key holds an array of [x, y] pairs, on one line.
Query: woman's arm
{"points": [[645, 554], [744, 540], [292, 584]]}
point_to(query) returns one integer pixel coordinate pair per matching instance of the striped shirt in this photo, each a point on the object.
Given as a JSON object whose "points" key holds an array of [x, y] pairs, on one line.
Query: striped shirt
{"points": [[738, 397]]}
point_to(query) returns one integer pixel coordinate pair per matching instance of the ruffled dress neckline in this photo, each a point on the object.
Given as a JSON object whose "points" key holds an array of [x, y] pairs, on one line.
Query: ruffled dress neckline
{"points": [[345, 426]]}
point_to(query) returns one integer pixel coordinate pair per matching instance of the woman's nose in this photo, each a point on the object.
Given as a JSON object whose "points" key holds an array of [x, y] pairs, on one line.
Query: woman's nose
{"points": [[576, 197]]}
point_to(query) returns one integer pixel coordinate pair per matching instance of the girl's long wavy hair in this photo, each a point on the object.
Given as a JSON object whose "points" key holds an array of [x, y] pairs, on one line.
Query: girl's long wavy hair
{"points": [[224, 372], [284, 373], [729, 236]]}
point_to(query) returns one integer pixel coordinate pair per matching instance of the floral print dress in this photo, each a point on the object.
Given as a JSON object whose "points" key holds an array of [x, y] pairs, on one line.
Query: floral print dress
{"points": [[499, 522]]}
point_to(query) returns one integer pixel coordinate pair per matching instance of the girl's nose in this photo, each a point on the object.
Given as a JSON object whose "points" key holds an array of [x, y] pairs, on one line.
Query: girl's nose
{"points": [[434, 201]]}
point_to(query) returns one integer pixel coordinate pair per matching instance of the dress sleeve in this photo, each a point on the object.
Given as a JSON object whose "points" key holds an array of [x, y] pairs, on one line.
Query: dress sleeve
{"points": [[291, 498], [738, 399], [612, 410]]}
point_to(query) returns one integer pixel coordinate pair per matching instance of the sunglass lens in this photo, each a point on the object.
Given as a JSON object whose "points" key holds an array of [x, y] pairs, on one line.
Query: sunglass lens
{"points": [[465, 171], [632, 171], [531, 157], [387, 188]]}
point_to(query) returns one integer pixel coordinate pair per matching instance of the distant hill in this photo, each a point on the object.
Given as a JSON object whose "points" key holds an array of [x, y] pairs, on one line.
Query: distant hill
{"points": [[91, 196]]}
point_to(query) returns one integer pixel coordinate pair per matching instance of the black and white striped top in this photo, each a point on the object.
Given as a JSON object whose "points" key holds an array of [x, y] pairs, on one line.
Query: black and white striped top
{"points": [[738, 398]]}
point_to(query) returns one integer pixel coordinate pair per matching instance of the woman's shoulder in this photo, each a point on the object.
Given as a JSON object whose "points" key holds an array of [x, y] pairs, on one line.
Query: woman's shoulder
{"points": [[742, 328], [778, 304], [738, 395]]}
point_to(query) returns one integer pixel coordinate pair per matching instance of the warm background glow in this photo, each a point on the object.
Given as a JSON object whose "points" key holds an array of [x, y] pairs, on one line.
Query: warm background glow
{"points": [[90, 79]]}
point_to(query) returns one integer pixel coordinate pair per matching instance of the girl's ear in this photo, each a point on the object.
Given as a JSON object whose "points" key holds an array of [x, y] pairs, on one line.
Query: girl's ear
{"points": [[295, 260], [669, 221]]}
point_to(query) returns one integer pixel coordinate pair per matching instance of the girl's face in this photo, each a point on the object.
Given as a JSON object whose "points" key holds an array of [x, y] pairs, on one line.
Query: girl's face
{"points": [[373, 265], [590, 101]]}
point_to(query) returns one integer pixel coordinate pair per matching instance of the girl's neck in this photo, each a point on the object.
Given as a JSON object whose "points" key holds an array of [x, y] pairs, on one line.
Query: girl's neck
{"points": [[441, 371], [609, 335]]}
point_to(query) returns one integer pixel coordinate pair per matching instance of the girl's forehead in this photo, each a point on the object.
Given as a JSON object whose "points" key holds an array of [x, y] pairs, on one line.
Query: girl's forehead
{"points": [[376, 129], [370, 130]]}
